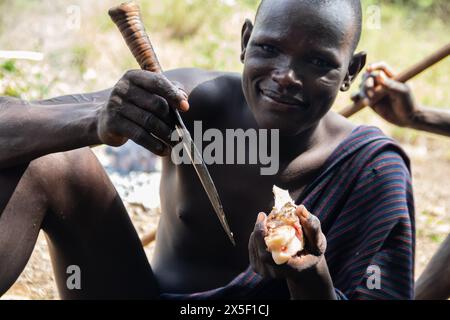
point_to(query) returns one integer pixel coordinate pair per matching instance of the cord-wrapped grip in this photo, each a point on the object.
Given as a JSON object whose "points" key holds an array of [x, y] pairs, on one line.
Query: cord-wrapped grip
{"points": [[127, 18]]}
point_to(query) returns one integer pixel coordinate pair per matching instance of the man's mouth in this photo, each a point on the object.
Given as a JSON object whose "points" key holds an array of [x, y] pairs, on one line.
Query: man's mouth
{"points": [[291, 101]]}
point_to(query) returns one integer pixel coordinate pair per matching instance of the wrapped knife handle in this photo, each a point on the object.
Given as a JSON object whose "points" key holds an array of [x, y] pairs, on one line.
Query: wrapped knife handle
{"points": [[127, 17]]}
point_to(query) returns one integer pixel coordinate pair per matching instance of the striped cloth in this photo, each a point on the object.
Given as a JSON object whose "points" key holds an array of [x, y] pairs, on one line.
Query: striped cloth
{"points": [[364, 200]]}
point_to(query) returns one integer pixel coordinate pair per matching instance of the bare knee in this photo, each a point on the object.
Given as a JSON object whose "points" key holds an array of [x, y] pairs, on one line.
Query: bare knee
{"points": [[74, 183]]}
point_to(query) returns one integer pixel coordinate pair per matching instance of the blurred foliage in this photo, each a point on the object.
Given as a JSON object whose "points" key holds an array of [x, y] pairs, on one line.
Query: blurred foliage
{"points": [[25, 80], [80, 57], [8, 66], [183, 19], [405, 135], [437, 8], [197, 33]]}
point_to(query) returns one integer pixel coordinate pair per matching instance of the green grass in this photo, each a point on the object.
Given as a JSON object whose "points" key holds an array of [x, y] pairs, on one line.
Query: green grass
{"points": [[8, 66], [80, 56], [437, 238]]}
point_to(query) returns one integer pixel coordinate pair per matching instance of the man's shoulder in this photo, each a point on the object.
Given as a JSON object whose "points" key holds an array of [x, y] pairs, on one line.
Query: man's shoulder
{"points": [[192, 77], [367, 154], [213, 89], [211, 83], [380, 157]]}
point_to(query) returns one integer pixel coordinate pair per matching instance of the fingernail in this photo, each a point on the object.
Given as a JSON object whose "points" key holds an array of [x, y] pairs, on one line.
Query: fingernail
{"points": [[261, 217], [381, 78], [304, 212], [184, 105]]}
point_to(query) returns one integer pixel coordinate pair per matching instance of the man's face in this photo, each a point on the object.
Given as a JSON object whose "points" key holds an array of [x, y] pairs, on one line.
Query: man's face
{"points": [[295, 62]]}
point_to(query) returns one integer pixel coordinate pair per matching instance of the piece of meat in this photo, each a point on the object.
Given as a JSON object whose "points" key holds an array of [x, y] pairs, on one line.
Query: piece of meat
{"points": [[284, 237]]}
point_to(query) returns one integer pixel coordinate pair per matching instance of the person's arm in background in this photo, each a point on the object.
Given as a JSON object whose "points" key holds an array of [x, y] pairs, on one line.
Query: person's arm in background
{"points": [[432, 120], [400, 108]]}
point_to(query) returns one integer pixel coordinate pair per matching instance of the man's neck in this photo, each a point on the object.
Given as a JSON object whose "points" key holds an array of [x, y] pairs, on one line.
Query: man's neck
{"points": [[303, 156], [293, 146]]}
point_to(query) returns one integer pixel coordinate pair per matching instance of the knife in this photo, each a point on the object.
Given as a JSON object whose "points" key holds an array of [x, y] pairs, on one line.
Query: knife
{"points": [[127, 18]]}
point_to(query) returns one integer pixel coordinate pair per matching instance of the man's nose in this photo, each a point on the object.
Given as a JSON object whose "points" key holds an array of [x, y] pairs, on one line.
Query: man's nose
{"points": [[287, 78]]}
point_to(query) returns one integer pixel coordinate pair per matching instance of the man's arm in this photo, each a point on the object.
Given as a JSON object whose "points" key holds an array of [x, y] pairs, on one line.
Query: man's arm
{"points": [[81, 98], [136, 108], [315, 284], [28, 131]]}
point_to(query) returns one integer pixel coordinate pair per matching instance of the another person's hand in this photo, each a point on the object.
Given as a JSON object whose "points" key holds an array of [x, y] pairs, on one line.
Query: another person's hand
{"points": [[139, 109], [398, 107], [308, 260]]}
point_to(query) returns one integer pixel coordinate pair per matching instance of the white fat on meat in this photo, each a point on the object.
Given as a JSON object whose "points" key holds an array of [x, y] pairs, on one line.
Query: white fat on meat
{"points": [[284, 237]]}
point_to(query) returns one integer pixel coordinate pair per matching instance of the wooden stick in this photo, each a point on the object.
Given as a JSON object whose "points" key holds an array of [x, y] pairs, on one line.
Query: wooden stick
{"points": [[402, 77]]}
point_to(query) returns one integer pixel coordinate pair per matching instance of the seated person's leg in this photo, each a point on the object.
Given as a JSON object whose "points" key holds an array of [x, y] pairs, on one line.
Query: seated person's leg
{"points": [[434, 282], [22, 210], [86, 225]]}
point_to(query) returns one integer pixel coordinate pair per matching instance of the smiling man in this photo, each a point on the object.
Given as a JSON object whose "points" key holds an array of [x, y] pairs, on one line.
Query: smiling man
{"points": [[353, 180]]}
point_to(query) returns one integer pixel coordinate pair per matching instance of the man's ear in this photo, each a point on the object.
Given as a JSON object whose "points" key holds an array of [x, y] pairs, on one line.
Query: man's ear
{"points": [[356, 65], [247, 29]]}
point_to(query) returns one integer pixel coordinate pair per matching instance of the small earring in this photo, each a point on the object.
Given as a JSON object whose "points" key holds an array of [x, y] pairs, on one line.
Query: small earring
{"points": [[345, 86]]}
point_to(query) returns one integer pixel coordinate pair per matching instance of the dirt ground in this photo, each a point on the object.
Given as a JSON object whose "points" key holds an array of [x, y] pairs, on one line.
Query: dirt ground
{"points": [[431, 167]]}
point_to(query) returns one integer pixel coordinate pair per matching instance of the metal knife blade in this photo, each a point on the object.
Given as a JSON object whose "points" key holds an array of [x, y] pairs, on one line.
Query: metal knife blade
{"points": [[203, 173], [127, 17]]}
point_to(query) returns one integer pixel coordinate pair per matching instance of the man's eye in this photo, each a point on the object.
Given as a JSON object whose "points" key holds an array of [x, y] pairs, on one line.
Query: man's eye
{"points": [[267, 48], [321, 63]]}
